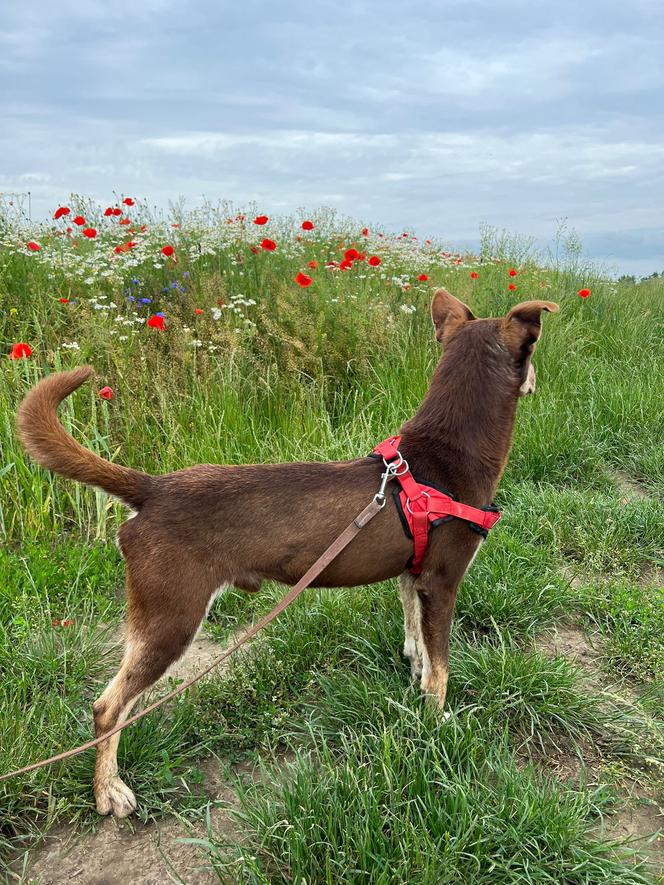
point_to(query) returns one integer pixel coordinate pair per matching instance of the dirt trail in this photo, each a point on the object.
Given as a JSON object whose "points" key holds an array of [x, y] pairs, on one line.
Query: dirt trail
{"points": [[641, 815], [128, 852]]}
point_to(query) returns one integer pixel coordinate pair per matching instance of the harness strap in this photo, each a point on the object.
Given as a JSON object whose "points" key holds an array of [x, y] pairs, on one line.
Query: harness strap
{"points": [[424, 506]]}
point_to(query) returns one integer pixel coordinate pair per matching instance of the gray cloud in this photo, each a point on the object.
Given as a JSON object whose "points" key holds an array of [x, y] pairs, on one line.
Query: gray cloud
{"points": [[431, 117]]}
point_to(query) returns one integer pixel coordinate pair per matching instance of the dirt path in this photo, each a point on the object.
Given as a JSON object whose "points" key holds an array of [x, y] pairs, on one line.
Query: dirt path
{"points": [[641, 815], [128, 852]]}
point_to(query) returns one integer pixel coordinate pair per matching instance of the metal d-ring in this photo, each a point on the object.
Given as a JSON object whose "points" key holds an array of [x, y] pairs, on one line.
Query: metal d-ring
{"points": [[422, 494]]}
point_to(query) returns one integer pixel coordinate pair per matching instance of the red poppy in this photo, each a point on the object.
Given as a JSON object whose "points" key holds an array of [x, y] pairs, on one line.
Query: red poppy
{"points": [[120, 249], [351, 255], [106, 393], [63, 300], [56, 622], [167, 251], [365, 231], [313, 265], [374, 261], [156, 322], [303, 280], [345, 264], [261, 219], [474, 275], [511, 272], [68, 622], [307, 225], [62, 210], [584, 293], [33, 247], [20, 351], [108, 211], [198, 311], [269, 245], [90, 233], [254, 250], [79, 220], [125, 221], [512, 287], [423, 278], [128, 201], [117, 211]]}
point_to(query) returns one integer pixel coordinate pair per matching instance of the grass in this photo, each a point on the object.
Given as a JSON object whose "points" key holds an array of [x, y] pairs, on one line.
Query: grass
{"points": [[380, 789]]}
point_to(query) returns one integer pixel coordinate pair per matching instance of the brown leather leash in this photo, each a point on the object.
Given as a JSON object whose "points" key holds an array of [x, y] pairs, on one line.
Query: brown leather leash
{"points": [[321, 563]]}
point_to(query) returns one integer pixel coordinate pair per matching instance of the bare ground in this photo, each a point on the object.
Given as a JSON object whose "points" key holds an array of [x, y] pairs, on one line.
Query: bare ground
{"points": [[126, 852], [640, 819]]}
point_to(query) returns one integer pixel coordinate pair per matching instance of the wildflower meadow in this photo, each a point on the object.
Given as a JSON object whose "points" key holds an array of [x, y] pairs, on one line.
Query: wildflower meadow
{"points": [[230, 336]]}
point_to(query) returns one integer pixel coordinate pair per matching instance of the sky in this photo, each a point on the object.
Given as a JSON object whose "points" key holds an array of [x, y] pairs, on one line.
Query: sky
{"points": [[436, 118]]}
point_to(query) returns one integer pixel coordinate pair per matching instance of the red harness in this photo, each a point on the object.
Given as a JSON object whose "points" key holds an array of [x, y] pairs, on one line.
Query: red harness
{"points": [[422, 506]]}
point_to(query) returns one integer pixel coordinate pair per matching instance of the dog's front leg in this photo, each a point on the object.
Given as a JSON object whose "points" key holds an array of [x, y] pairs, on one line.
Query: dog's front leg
{"points": [[436, 605], [412, 621]]}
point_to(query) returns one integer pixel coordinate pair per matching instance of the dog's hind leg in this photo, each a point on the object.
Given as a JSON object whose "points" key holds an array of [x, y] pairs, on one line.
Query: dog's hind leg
{"points": [[162, 621], [412, 621]]}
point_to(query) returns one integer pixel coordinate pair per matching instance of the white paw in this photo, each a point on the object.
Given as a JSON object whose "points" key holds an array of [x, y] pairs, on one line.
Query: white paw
{"points": [[446, 715], [114, 796]]}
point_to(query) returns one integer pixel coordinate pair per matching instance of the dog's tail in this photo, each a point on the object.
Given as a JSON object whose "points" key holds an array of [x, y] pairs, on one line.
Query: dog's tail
{"points": [[46, 440]]}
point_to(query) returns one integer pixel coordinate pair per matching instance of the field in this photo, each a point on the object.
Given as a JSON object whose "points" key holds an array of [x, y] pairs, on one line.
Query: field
{"points": [[231, 337]]}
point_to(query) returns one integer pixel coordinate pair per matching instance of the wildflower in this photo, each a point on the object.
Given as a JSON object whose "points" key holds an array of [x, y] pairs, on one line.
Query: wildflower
{"points": [[56, 622], [373, 260], [269, 245], [198, 311], [474, 275], [108, 211], [345, 264], [511, 272], [584, 293], [307, 225], [167, 251], [365, 231], [156, 322], [106, 393], [34, 247], [261, 219], [303, 280], [125, 221], [90, 233], [20, 351], [128, 201], [63, 300], [351, 255], [68, 622], [512, 287], [145, 300], [60, 211], [313, 265], [423, 278], [79, 220]]}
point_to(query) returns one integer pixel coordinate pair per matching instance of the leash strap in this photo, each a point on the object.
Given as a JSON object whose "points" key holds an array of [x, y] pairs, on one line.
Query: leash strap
{"points": [[320, 565]]}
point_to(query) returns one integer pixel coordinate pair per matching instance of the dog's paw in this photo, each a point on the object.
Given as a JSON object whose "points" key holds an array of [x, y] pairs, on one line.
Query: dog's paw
{"points": [[115, 797]]}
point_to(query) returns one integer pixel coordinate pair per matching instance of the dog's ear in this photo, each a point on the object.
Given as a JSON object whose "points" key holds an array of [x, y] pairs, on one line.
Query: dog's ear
{"points": [[523, 324], [448, 313]]}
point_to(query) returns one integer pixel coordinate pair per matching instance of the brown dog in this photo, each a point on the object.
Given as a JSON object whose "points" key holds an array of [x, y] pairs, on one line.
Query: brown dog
{"points": [[206, 527]]}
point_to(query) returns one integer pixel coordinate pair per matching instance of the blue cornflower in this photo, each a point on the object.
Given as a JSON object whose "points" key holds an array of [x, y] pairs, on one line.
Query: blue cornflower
{"points": [[130, 298], [145, 300], [186, 274], [174, 284], [136, 282]]}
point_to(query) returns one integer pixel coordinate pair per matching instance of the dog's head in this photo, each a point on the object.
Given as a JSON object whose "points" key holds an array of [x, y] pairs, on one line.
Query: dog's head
{"points": [[513, 336]]}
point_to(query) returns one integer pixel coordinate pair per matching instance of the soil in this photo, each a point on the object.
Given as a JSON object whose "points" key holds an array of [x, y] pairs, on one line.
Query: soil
{"points": [[127, 852]]}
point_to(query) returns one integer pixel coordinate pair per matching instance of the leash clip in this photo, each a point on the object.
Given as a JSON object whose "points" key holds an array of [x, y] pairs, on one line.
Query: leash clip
{"points": [[391, 470]]}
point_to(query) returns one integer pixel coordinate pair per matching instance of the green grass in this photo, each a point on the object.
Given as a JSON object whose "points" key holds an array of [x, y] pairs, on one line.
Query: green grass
{"points": [[381, 789]]}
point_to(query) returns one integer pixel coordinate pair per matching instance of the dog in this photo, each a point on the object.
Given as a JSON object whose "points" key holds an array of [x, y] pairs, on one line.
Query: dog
{"points": [[198, 530]]}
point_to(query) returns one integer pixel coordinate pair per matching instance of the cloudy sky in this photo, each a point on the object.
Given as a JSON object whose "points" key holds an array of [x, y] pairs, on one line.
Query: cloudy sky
{"points": [[434, 117]]}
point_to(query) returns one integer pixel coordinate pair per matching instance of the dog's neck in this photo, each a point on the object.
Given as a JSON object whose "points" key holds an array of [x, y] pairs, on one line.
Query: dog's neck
{"points": [[461, 435]]}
